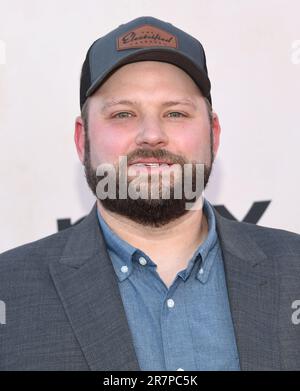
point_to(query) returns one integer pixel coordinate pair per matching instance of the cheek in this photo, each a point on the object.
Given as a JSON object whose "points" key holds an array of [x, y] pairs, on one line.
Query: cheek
{"points": [[107, 145], [195, 145]]}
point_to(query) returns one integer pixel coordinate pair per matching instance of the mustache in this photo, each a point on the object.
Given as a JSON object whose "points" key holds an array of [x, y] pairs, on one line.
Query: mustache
{"points": [[156, 154]]}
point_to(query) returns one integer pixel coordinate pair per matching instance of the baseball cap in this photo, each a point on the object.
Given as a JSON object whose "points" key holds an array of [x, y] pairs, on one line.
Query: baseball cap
{"points": [[143, 39]]}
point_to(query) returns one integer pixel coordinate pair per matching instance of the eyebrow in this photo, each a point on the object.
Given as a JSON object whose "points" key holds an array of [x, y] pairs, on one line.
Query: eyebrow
{"points": [[108, 104]]}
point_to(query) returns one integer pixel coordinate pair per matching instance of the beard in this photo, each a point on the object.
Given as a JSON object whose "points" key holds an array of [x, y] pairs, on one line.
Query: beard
{"points": [[153, 212]]}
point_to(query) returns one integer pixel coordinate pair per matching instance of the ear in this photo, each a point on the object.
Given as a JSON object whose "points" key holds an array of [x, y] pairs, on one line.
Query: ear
{"points": [[216, 128], [79, 137]]}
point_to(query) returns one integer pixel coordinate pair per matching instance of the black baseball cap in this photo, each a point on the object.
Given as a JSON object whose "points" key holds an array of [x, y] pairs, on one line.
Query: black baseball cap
{"points": [[141, 39]]}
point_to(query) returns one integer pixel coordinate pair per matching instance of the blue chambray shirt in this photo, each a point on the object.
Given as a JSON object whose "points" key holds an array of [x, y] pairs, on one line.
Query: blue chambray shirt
{"points": [[187, 326]]}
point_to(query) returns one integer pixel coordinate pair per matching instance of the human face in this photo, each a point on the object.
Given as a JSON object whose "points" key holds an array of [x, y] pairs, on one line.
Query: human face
{"points": [[147, 109]]}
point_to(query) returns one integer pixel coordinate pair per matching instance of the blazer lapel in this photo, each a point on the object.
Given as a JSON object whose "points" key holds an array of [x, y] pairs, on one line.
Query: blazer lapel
{"points": [[252, 283], [87, 286]]}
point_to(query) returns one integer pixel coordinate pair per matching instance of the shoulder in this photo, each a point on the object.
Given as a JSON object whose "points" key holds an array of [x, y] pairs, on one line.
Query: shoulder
{"points": [[272, 241], [266, 232], [32, 259], [40, 251]]}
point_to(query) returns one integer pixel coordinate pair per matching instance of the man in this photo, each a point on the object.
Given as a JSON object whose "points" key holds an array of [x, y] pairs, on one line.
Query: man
{"points": [[150, 283]]}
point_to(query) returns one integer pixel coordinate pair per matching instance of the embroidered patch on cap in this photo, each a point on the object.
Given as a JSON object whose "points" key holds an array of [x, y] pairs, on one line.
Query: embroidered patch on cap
{"points": [[145, 36]]}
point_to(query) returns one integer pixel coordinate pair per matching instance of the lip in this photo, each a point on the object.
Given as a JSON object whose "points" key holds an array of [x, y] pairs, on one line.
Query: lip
{"points": [[151, 160]]}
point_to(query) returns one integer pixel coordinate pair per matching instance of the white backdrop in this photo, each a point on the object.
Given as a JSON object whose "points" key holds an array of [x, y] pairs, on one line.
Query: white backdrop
{"points": [[253, 57]]}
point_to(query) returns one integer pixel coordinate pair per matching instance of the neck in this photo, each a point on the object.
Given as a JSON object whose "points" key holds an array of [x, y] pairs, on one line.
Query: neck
{"points": [[174, 242]]}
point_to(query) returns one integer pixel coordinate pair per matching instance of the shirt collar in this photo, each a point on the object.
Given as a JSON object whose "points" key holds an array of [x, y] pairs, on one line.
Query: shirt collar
{"points": [[117, 246], [126, 254], [210, 244]]}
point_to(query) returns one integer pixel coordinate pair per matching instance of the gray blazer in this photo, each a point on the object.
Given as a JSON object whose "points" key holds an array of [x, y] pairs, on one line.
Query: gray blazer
{"points": [[64, 310]]}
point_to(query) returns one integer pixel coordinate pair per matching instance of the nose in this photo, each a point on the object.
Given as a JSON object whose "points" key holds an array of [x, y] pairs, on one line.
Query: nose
{"points": [[151, 133]]}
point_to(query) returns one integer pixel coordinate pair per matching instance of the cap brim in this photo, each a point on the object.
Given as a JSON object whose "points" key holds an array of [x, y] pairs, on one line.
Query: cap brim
{"points": [[168, 55]]}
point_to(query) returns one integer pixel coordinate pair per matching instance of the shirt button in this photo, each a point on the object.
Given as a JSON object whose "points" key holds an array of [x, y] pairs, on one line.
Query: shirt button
{"points": [[124, 269], [179, 369], [170, 303], [201, 271], [142, 261]]}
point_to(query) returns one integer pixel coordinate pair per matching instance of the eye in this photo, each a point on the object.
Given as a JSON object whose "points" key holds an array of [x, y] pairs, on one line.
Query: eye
{"points": [[176, 114], [122, 114]]}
